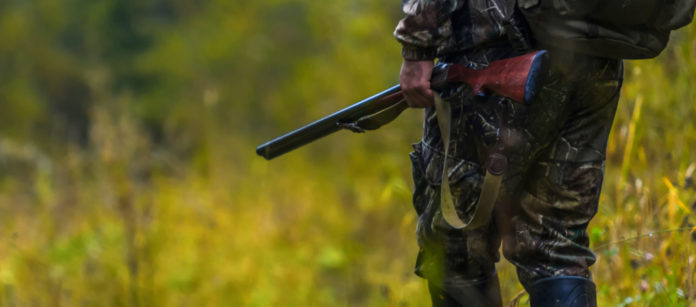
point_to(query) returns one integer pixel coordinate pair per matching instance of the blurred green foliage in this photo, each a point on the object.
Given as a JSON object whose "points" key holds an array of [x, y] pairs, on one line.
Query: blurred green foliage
{"points": [[128, 174]]}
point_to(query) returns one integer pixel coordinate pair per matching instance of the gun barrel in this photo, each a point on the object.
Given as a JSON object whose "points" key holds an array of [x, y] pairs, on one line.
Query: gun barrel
{"points": [[326, 125]]}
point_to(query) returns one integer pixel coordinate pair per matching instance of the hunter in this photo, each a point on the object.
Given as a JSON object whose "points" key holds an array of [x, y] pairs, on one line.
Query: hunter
{"points": [[554, 150]]}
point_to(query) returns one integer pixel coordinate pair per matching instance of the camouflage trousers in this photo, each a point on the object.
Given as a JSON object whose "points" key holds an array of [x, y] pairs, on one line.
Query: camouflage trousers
{"points": [[556, 151]]}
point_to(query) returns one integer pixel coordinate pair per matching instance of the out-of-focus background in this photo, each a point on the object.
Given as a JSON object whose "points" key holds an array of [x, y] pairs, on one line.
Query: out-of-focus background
{"points": [[128, 175]]}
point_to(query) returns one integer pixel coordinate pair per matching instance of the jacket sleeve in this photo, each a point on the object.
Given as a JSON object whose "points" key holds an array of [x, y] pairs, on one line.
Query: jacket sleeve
{"points": [[426, 26]]}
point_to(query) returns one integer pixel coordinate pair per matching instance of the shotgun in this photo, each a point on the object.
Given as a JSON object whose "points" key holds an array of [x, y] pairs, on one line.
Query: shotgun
{"points": [[517, 78]]}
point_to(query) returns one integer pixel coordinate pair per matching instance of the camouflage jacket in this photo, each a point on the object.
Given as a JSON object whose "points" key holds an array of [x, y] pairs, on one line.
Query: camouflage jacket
{"points": [[433, 28]]}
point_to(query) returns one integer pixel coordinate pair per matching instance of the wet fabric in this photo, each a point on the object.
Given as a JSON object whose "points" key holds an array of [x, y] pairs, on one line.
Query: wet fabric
{"points": [[556, 151]]}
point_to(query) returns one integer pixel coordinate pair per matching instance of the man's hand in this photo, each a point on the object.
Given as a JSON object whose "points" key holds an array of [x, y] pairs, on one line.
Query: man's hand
{"points": [[415, 83]]}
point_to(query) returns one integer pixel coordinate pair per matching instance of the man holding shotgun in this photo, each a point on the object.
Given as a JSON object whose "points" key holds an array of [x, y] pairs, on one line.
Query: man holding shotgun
{"points": [[550, 154], [514, 137]]}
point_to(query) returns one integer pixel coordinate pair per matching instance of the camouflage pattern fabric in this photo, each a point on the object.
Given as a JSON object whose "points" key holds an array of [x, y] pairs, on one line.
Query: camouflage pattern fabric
{"points": [[556, 151], [433, 28]]}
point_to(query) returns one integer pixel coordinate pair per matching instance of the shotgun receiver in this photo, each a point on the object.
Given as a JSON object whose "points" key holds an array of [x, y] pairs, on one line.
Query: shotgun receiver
{"points": [[517, 78]]}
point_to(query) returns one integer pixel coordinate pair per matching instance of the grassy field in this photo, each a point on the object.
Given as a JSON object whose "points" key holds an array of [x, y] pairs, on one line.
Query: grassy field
{"points": [[195, 218]]}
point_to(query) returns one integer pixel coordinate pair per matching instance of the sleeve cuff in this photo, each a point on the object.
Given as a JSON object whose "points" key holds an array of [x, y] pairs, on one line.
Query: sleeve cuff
{"points": [[418, 54]]}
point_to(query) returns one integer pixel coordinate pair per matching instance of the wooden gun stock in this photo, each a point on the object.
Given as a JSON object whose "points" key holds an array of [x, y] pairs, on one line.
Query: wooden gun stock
{"points": [[517, 78]]}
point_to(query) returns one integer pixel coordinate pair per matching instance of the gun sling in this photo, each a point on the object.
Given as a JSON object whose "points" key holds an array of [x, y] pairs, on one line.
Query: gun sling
{"points": [[491, 182], [377, 120]]}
